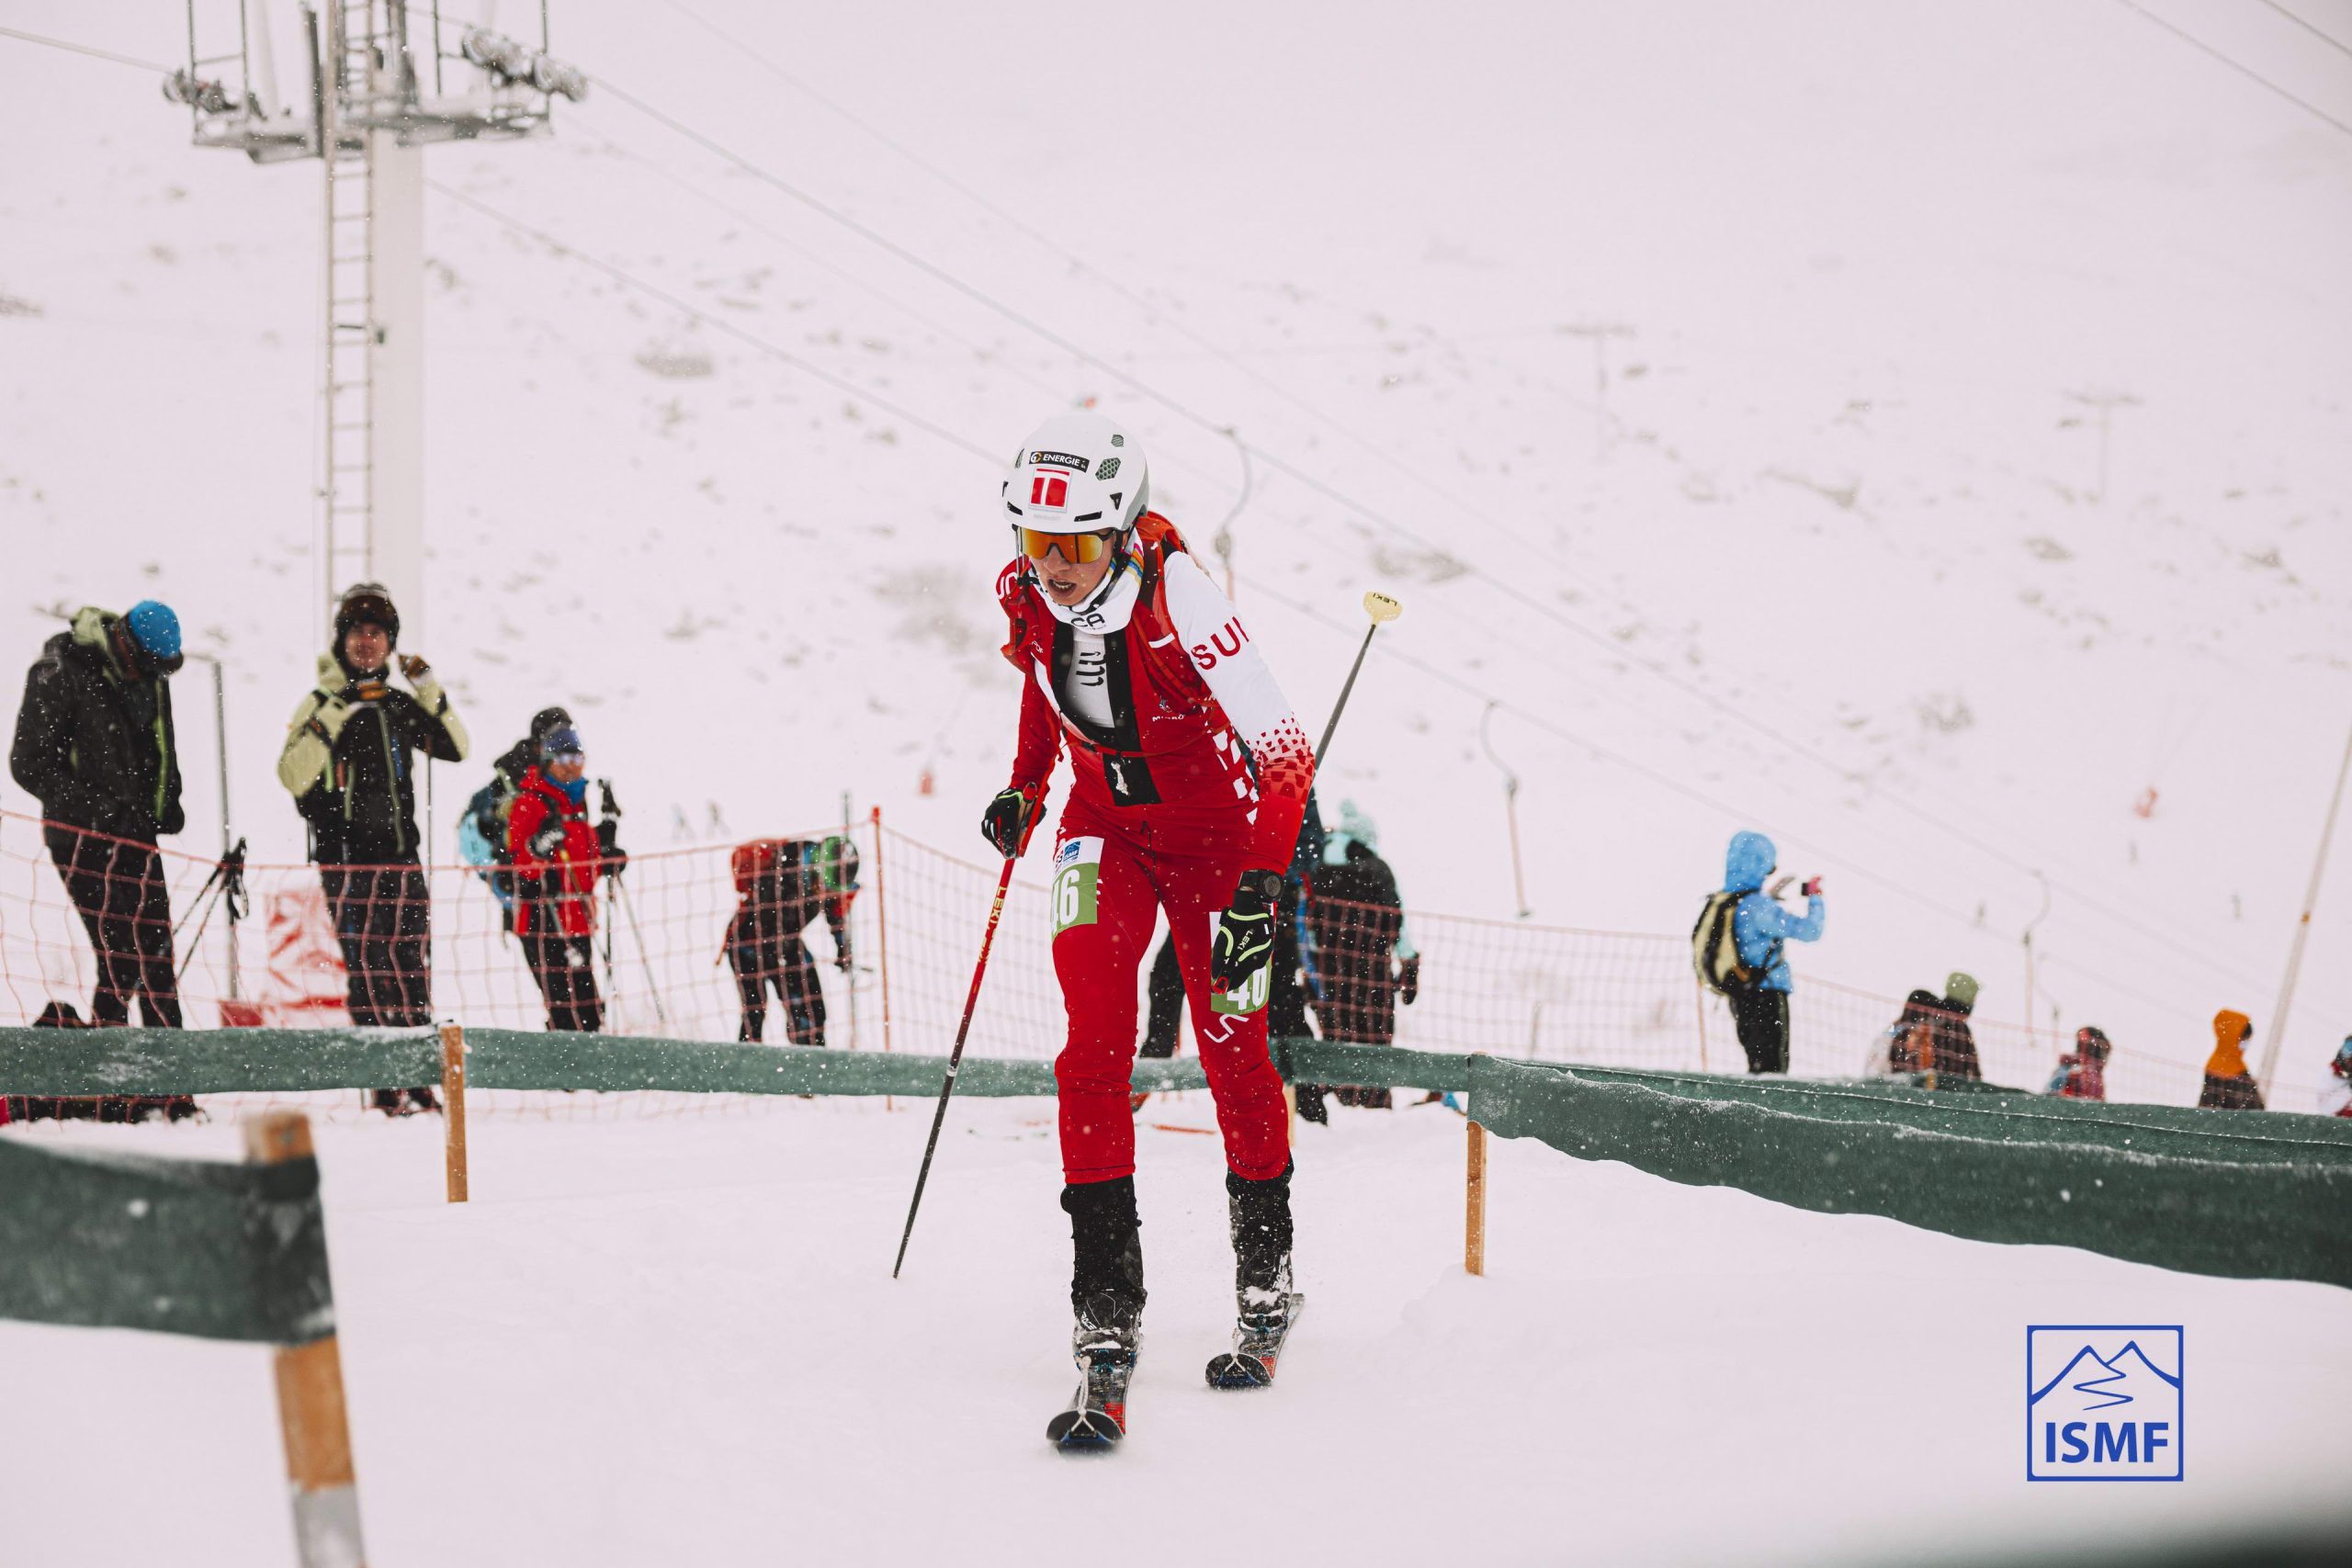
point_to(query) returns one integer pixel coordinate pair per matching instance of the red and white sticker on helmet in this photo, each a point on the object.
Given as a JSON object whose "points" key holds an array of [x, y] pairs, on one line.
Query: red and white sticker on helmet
{"points": [[1049, 489]]}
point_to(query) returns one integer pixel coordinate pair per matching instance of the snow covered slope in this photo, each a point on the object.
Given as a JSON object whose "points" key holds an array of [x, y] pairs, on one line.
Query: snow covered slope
{"points": [[679, 1342], [1846, 570]]}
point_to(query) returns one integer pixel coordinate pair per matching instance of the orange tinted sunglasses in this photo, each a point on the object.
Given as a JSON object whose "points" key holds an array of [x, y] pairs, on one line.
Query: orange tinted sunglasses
{"points": [[1079, 549]]}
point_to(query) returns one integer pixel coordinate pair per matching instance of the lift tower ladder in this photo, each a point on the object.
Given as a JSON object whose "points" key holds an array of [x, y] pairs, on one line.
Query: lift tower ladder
{"points": [[386, 79]]}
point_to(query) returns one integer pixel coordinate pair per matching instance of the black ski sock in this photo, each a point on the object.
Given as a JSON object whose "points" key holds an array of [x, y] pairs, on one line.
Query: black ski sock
{"points": [[1107, 1245], [1261, 1231]]}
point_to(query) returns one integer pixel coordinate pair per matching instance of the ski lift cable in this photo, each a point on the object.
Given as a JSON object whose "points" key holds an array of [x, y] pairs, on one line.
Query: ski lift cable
{"points": [[73, 48], [2326, 38], [1692, 793], [2244, 69], [992, 359], [753, 339], [560, 248], [1275, 460], [863, 285], [1125, 291], [2014, 862], [1642, 770], [1272, 459]]}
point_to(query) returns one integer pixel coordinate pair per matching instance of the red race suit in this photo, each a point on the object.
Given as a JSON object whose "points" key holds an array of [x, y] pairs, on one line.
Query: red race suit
{"points": [[1191, 768]]}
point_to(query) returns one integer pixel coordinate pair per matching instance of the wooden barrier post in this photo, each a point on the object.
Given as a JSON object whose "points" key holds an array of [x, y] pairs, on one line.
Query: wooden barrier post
{"points": [[1474, 1223], [453, 1106], [310, 1400]]}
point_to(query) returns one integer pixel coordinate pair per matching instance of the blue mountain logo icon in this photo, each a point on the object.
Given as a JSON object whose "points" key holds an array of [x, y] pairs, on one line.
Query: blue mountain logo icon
{"points": [[2112, 1412]]}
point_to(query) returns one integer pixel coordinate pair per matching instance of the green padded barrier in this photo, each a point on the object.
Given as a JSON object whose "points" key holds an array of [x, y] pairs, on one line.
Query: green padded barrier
{"points": [[42, 1062], [1374, 1067], [2255, 1204], [103, 1240], [2021, 1118], [511, 1059], [214, 1061]]}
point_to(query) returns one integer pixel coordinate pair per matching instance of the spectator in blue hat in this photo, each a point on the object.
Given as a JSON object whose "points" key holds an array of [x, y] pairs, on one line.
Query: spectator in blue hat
{"points": [[95, 745]]}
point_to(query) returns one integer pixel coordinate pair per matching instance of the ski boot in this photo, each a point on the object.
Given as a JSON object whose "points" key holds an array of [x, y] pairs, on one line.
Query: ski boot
{"points": [[1107, 1296], [1265, 1305]]}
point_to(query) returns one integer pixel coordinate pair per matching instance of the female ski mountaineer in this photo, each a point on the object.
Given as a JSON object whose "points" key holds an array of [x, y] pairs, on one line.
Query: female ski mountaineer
{"points": [[1191, 773]]}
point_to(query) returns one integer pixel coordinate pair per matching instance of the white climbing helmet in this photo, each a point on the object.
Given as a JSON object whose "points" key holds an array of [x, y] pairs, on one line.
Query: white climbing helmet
{"points": [[1077, 473]]}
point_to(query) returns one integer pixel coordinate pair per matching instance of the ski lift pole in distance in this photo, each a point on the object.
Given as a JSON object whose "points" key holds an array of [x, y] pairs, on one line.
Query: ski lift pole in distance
{"points": [[1510, 806], [1383, 610], [2027, 940], [954, 1059]]}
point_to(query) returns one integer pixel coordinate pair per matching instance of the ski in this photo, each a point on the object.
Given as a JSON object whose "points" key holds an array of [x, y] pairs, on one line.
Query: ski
{"points": [[1097, 1417], [1256, 1349]]}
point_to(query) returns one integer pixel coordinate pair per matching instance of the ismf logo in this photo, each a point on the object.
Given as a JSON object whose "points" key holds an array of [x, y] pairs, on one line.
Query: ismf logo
{"points": [[2103, 1402]]}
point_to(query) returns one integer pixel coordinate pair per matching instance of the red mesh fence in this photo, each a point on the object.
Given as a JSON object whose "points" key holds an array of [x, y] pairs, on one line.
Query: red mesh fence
{"points": [[650, 956]]}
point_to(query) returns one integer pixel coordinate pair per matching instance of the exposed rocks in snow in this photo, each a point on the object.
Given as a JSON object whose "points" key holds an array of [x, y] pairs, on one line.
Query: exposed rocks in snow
{"points": [[678, 362]]}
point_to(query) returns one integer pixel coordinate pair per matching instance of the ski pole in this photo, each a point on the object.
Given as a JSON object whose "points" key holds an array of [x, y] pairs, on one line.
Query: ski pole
{"points": [[637, 933], [955, 1060], [1382, 609]]}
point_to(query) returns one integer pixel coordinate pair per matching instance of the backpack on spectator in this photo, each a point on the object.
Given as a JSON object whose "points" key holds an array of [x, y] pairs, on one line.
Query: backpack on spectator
{"points": [[1715, 949]]}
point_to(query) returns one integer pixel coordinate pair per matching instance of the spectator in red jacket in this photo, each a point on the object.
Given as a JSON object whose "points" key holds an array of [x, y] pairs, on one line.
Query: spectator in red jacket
{"points": [[785, 883], [558, 856], [2082, 1072]]}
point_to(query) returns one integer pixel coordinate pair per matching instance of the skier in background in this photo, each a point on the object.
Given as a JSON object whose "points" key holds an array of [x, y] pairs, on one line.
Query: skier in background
{"points": [[558, 856], [2082, 1072], [481, 831], [1738, 944], [784, 883], [1133, 660], [95, 745], [1357, 916], [347, 762], [2229, 1086]]}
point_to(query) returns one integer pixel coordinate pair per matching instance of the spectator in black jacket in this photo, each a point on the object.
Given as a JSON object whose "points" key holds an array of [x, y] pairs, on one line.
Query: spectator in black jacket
{"points": [[1357, 919], [95, 745], [347, 762]]}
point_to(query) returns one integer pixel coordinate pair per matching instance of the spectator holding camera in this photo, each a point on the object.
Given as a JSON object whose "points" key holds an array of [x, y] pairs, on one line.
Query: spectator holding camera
{"points": [[349, 763], [1738, 946]]}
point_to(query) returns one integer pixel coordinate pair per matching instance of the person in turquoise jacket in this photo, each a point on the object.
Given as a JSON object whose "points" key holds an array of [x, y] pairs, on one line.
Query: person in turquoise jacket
{"points": [[1762, 930]]}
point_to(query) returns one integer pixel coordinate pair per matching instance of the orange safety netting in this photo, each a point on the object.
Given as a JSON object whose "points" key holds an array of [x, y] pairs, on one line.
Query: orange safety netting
{"points": [[657, 958]]}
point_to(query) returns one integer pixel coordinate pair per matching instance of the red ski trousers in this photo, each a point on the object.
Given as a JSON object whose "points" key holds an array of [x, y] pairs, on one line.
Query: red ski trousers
{"points": [[1114, 868]]}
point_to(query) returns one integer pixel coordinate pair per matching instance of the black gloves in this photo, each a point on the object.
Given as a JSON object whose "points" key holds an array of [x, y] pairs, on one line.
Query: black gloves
{"points": [[1010, 818], [608, 850], [1408, 979], [547, 839], [1245, 933]]}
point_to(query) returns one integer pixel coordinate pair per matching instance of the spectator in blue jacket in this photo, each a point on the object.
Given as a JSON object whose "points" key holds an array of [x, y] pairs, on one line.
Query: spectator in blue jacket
{"points": [[1761, 929]]}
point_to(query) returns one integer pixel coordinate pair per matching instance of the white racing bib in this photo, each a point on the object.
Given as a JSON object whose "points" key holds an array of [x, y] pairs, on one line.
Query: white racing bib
{"points": [[1078, 867]]}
